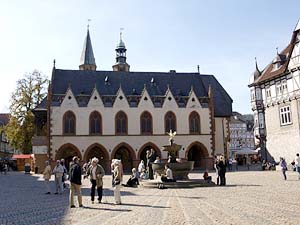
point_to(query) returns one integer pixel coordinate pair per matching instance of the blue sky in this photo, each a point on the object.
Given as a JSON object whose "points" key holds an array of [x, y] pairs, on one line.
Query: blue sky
{"points": [[223, 37]]}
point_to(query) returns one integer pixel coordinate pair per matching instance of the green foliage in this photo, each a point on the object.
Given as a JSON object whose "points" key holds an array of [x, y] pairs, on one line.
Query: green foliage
{"points": [[29, 93]]}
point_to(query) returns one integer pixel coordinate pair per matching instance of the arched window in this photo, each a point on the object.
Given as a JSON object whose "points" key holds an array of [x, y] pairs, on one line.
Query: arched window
{"points": [[170, 122], [95, 123], [121, 123], [194, 122], [69, 123], [146, 123]]}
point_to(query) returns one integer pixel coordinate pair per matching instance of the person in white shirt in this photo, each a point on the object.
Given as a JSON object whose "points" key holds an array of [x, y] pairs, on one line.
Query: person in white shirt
{"points": [[47, 176], [297, 164], [58, 171], [169, 175]]}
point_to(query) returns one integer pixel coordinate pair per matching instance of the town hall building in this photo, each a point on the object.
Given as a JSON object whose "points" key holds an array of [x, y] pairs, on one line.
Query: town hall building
{"points": [[122, 114]]}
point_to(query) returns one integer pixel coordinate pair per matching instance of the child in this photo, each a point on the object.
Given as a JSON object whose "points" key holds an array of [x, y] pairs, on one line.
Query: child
{"points": [[206, 177]]}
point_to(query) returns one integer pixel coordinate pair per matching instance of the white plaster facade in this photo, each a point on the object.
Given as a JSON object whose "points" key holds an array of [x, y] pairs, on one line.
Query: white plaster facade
{"points": [[281, 108], [83, 140]]}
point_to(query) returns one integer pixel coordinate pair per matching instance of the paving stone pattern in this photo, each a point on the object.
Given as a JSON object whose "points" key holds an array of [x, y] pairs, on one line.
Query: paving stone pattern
{"points": [[251, 197]]}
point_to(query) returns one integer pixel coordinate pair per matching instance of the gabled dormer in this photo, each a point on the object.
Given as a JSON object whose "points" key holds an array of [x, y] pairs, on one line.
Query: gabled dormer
{"points": [[69, 100], [193, 101], [169, 101], [95, 100], [145, 101], [121, 100]]}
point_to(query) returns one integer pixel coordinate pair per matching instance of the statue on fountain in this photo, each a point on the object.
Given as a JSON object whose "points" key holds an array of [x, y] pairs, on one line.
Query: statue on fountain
{"points": [[171, 135], [180, 170]]}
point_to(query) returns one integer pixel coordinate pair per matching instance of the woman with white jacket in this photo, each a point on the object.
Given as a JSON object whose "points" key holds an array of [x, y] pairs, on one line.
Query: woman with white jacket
{"points": [[47, 176], [117, 177]]}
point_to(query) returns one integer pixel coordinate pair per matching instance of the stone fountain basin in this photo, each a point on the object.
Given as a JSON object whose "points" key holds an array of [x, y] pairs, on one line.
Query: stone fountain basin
{"points": [[180, 170]]}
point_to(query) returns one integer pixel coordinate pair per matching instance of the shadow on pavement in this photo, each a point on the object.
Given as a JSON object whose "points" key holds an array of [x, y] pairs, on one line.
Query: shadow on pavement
{"points": [[23, 200], [106, 192], [106, 209], [240, 185], [141, 205]]}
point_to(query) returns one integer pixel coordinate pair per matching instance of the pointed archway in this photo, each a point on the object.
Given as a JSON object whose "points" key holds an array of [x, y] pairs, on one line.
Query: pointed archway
{"points": [[97, 150], [198, 153], [126, 154], [67, 152], [143, 150]]}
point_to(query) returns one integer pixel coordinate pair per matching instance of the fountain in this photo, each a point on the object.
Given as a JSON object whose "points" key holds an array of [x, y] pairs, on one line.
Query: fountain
{"points": [[180, 169]]}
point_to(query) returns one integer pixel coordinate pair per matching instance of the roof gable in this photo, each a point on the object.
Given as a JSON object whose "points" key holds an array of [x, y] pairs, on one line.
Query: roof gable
{"points": [[107, 83], [69, 100]]}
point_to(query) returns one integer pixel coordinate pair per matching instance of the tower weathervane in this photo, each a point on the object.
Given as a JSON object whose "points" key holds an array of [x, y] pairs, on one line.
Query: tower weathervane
{"points": [[121, 29], [88, 25]]}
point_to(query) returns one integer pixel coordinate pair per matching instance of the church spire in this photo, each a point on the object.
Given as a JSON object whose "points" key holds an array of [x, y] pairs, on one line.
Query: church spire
{"points": [[87, 60], [121, 64], [257, 72]]}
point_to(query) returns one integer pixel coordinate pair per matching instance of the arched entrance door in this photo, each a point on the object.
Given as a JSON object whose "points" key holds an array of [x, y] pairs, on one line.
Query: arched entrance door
{"points": [[143, 151], [198, 153], [98, 151], [126, 154], [67, 152]]}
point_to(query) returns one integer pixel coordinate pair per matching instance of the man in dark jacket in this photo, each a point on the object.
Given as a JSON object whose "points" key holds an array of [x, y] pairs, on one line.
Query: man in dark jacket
{"points": [[75, 180]]}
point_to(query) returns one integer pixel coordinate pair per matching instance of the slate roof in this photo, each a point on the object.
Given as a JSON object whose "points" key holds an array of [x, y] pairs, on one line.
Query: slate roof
{"points": [[87, 55], [107, 83]]}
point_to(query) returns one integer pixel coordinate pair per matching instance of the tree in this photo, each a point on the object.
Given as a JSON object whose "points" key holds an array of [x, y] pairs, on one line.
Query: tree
{"points": [[29, 93]]}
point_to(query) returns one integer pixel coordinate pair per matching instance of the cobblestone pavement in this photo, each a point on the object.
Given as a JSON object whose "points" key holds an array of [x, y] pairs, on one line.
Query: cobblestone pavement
{"points": [[249, 198]]}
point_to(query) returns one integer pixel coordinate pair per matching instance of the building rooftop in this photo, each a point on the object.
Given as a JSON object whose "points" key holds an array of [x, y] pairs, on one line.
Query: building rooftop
{"points": [[107, 83]]}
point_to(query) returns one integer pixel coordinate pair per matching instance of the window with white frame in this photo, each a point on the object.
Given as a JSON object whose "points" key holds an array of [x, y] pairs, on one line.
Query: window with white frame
{"points": [[284, 86], [278, 89], [268, 92], [285, 115]]}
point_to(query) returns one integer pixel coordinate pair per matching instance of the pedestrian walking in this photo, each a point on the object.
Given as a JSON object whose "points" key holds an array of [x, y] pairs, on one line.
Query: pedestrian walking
{"points": [[75, 180], [230, 164], [5, 168], [96, 173], [283, 166], [64, 176], [217, 170], [234, 161], [297, 164], [222, 170], [248, 162], [117, 181], [58, 172], [47, 176], [151, 156]]}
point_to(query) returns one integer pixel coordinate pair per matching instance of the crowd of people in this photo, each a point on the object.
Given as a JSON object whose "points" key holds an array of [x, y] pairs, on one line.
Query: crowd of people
{"points": [[95, 172]]}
